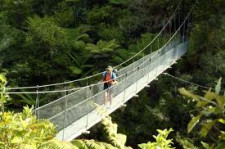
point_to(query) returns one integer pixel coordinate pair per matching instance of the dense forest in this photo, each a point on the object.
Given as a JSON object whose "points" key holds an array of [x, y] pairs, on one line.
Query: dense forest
{"points": [[44, 42]]}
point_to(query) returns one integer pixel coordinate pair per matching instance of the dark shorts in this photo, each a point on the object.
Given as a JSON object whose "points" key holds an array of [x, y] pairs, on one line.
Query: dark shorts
{"points": [[106, 86]]}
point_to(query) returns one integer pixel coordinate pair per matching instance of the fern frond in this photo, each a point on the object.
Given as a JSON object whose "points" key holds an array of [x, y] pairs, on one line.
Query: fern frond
{"points": [[56, 144]]}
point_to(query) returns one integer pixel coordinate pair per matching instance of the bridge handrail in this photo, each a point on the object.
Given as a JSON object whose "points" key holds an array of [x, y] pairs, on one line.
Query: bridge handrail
{"points": [[81, 79]]}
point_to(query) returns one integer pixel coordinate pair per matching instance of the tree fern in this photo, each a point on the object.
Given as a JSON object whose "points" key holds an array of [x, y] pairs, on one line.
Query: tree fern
{"points": [[92, 144], [102, 46], [210, 112], [56, 144], [161, 141], [110, 131]]}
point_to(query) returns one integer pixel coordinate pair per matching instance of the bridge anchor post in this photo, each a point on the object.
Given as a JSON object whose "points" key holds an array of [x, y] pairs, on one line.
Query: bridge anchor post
{"points": [[86, 132], [136, 96], [123, 105], [148, 86]]}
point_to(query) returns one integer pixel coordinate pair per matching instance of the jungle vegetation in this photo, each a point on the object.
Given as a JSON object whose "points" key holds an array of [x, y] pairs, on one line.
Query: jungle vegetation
{"points": [[44, 42]]}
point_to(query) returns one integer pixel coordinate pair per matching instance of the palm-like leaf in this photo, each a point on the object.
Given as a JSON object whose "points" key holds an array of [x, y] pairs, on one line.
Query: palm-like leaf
{"points": [[212, 103], [207, 127], [218, 86], [27, 99], [102, 46]]}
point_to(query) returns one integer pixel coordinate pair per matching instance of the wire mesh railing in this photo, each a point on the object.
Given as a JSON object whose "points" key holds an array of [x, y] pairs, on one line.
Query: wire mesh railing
{"points": [[77, 105], [77, 108]]}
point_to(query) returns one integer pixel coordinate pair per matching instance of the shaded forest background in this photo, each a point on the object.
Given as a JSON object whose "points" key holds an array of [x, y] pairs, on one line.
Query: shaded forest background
{"points": [[45, 42]]}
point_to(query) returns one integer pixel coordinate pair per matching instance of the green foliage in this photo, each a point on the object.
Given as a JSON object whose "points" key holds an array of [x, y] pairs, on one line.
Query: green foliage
{"points": [[102, 47], [4, 97], [110, 131], [27, 99], [124, 54], [92, 144], [56, 144], [64, 15], [111, 33], [210, 111], [218, 86], [9, 36], [114, 140], [48, 30], [161, 141], [186, 143], [46, 49], [20, 130], [79, 64], [221, 145], [206, 51], [44, 34], [76, 144], [52, 41], [120, 2], [193, 122], [101, 15], [21, 10], [211, 103], [142, 42], [206, 146]]}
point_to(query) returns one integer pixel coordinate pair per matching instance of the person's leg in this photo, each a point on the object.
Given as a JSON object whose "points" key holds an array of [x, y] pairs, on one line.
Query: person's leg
{"points": [[105, 98], [105, 93], [110, 94]]}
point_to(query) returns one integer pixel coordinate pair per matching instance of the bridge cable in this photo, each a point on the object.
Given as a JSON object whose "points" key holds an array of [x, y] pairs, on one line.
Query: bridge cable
{"points": [[74, 89], [81, 79], [119, 76], [188, 82]]}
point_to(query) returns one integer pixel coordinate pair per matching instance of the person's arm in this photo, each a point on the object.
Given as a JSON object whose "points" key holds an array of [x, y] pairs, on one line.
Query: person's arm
{"points": [[103, 76], [113, 78]]}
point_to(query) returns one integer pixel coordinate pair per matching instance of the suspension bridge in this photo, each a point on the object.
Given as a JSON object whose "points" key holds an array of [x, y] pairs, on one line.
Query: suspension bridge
{"points": [[75, 112]]}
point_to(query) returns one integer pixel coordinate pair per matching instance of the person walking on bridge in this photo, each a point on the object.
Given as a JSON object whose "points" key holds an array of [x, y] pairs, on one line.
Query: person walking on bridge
{"points": [[109, 78]]}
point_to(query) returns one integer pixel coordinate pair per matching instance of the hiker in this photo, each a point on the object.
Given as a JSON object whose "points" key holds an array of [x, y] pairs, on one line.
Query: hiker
{"points": [[109, 78]]}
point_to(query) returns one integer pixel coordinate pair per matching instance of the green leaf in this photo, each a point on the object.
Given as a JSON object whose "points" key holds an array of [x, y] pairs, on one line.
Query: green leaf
{"points": [[207, 127], [211, 110], [202, 103], [75, 70], [184, 92], [102, 46], [83, 37], [27, 99], [2, 79], [221, 145], [209, 96], [16, 140], [218, 86], [222, 135], [119, 2], [56, 144], [220, 100], [193, 122], [28, 146], [161, 141], [205, 145], [122, 138], [78, 45], [79, 143], [221, 121]]}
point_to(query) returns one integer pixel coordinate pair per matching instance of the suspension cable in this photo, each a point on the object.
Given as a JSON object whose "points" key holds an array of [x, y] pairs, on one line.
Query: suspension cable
{"points": [[155, 54], [76, 89], [85, 78], [188, 82]]}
